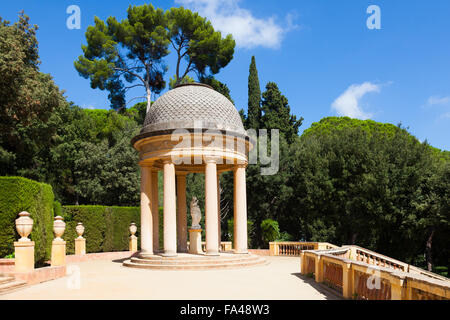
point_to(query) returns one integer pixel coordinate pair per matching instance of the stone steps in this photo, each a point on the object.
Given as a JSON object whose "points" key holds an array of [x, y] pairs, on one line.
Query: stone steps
{"points": [[9, 284], [195, 263]]}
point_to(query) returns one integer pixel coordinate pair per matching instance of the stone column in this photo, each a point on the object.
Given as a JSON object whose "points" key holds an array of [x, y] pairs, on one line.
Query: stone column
{"points": [[170, 212], [181, 213], [211, 212], [240, 210], [146, 212], [155, 211], [219, 230]]}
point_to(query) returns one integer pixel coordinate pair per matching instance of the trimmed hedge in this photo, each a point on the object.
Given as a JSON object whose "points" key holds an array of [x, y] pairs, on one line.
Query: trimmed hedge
{"points": [[20, 194], [106, 228]]}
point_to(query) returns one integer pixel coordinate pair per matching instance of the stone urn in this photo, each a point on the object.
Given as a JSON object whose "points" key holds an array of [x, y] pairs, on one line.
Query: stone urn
{"points": [[58, 227], [24, 226], [80, 230], [133, 228]]}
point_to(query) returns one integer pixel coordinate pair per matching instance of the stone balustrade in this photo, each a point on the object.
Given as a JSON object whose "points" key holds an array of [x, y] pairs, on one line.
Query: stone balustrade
{"points": [[357, 273], [294, 249]]}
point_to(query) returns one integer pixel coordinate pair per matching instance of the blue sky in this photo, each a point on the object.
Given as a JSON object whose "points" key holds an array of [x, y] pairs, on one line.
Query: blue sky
{"points": [[320, 53]]}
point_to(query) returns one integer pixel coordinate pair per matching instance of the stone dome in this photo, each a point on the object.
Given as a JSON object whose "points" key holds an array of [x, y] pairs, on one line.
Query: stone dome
{"points": [[189, 105]]}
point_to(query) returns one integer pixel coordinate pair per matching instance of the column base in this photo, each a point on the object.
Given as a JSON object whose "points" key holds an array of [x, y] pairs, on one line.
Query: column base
{"points": [[169, 254], [146, 254], [212, 253], [240, 252]]}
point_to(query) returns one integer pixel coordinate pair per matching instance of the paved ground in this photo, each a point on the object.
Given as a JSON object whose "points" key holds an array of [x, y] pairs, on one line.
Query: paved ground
{"points": [[110, 280]]}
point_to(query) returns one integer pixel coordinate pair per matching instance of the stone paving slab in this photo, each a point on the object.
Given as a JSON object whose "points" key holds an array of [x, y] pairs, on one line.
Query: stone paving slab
{"points": [[280, 279]]}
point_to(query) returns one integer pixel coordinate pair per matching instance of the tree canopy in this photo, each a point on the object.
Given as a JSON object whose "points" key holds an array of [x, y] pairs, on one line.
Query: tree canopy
{"points": [[132, 51]]}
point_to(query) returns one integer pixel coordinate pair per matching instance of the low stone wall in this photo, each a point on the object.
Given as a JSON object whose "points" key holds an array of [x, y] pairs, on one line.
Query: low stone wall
{"points": [[99, 256], [40, 275], [260, 252], [6, 265]]}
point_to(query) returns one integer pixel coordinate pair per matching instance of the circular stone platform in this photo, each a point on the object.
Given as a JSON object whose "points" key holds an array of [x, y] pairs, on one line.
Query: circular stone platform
{"points": [[184, 261]]}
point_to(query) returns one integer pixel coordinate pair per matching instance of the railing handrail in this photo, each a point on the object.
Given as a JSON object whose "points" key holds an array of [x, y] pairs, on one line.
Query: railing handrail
{"points": [[420, 281]]}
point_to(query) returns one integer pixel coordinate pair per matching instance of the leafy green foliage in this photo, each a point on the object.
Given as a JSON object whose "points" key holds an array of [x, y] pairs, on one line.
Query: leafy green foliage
{"points": [[254, 97], [270, 230], [194, 40], [132, 51], [129, 50], [106, 228], [18, 194], [277, 113], [29, 101]]}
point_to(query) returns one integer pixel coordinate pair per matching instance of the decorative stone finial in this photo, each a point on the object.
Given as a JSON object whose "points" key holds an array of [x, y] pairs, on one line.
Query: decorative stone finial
{"points": [[24, 226], [58, 227], [196, 214], [133, 228], [80, 230]]}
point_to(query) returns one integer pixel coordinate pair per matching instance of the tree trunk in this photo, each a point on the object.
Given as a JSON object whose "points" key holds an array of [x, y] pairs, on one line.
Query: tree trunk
{"points": [[149, 98], [428, 252]]}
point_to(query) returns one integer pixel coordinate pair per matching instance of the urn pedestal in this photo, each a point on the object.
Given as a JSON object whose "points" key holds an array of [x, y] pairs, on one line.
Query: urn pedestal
{"points": [[58, 244], [80, 246], [133, 243], [24, 248], [24, 256], [80, 242], [58, 253], [195, 241], [133, 238]]}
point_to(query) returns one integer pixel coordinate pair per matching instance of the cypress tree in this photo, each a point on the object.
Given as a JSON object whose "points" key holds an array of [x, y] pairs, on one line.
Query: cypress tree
{"points": [[254, 97]]}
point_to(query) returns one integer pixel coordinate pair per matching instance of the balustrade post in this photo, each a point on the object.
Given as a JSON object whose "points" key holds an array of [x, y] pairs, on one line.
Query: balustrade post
{"points": [[347, 280], [319, 268], [397, 290], [303, 262], [271, 248]]}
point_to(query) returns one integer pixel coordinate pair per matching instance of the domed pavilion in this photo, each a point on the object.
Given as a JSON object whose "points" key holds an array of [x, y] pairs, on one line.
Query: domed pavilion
{"points": [[190, 129]]}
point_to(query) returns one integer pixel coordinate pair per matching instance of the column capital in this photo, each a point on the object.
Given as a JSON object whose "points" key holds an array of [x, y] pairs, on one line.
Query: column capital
{"points": [[146, 164], [167, 160], [209, 159], [241, 166]]}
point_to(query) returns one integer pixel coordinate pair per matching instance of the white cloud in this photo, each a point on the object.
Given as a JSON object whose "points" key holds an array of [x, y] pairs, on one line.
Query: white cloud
{"points": [[348, 103], [248, 31], [445, 115], [438, 100]]}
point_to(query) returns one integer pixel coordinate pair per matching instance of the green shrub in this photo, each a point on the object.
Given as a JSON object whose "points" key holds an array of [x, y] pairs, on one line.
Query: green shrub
{"points": [[270, 230], [20, 194], [106, 228]]}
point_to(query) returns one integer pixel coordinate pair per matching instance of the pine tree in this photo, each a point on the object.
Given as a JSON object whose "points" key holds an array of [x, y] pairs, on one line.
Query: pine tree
{"points": [[254, 97], [277, 113]]}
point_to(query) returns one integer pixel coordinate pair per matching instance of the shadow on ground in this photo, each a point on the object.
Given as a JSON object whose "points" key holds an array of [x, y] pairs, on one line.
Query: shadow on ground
{"points": [[329, 293]]}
